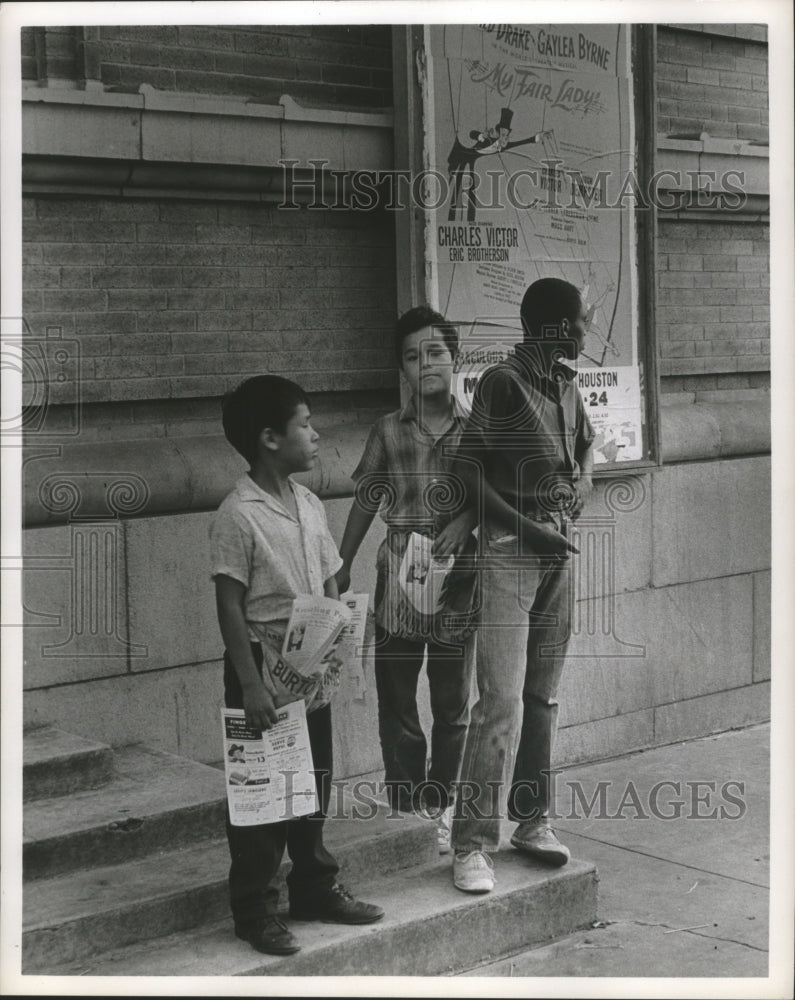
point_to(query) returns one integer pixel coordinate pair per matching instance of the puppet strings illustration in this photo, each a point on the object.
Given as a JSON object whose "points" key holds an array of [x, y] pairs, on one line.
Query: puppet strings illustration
{"points": [[461, 161]]}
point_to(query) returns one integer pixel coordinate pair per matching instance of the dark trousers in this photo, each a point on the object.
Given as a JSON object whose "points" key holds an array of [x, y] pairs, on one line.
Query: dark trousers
{"points": [[257, 851], [403, 745]]}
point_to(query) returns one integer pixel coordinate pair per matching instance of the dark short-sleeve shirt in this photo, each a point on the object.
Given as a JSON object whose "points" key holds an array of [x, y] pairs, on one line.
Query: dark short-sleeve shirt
{"points": [[527, 432], [410, 471]]}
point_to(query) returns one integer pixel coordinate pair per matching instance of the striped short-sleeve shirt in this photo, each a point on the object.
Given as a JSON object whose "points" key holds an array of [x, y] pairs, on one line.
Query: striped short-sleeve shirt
{"points": [[410, 471]]}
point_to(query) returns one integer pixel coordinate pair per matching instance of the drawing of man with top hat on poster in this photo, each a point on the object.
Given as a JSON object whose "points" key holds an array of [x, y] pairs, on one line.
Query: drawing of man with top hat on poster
{"points": [[461, 161]]}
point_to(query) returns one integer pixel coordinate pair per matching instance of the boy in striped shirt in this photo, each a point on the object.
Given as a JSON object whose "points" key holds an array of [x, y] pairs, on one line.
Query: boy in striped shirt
{"points": [[408, 461]]}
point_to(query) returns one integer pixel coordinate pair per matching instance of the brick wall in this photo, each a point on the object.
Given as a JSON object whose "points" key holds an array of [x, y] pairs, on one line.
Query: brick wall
{"points": [[330, 65], [28, 51], [173, 300], [712, 83], [176, 301], [713, 303], [50, 53], [713, 274]]}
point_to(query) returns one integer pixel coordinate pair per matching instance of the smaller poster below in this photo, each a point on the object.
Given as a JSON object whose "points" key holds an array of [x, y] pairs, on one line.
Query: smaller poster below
{"points": [[613, 403], [612, 394], [483, 344], [269, 776]]}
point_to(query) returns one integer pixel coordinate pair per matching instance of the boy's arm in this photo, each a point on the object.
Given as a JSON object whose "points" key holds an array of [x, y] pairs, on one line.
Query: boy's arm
{"points": [[584, 485], [543, 539], [258, 701], [490, 396], [586, 463], [584, 456], [330, 588], [356, 528], [372, 462], [452, 538]]}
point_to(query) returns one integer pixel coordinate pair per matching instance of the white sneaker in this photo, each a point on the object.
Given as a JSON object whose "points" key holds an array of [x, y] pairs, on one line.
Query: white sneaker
{"points": [[444, 829], [473, 872]]}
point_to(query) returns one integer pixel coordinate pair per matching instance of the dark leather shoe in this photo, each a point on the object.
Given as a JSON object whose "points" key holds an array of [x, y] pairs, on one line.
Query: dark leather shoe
{"points": [[336, 906], [539, 840], [271, 937]]}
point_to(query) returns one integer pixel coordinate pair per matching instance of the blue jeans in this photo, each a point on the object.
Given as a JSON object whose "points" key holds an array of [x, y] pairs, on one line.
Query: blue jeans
{"points": [[521, 646]]}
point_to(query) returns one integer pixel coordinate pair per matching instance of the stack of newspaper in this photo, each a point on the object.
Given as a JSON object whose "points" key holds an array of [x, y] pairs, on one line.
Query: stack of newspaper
{"points": [[269, 775]]}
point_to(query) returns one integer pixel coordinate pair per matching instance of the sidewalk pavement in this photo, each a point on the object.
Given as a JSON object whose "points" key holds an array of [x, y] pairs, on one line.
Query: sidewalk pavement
{"points": [[681, 896]]}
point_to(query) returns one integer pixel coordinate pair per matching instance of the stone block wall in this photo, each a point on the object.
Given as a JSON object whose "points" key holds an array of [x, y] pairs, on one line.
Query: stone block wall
{"points": [[688, 652]]}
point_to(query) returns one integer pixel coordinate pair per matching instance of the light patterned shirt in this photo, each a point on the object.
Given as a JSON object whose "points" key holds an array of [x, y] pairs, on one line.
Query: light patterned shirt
{"points": [[256, 540], [413, 469]]}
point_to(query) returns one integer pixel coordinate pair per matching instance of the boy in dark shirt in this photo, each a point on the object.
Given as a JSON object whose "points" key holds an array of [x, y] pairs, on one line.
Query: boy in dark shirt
{"points": [[527, 451]]}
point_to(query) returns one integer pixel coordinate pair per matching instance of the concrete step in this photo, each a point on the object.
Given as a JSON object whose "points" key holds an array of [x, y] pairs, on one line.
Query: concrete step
{"points": [[58, 763], [430, 928], [153, 801], [72, 916]]}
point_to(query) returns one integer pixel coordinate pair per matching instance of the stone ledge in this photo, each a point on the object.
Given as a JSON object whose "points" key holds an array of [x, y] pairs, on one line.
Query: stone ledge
{"points": [[700, 430], [151, 98], [165, 475], [155, 126], [194, 473], [713, 145], [684, 162]]}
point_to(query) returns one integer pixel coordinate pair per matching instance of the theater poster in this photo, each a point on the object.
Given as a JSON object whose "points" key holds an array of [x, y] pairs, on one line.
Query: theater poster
{"points": [[532, 145]]}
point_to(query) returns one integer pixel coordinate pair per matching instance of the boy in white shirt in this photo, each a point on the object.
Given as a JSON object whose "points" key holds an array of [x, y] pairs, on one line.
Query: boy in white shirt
{"points": [[269, 543]]}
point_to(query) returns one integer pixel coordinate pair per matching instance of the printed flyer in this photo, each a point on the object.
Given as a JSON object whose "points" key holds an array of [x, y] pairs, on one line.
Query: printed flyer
{"points": [[353, 645], [421, 575], [612, 402], [268, 774]]}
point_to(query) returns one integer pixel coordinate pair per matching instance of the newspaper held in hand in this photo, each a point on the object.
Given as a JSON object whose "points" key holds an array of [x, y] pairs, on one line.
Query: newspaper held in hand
{"points": [[268, 774], [353, 643], [422, 576], [315, 626]]}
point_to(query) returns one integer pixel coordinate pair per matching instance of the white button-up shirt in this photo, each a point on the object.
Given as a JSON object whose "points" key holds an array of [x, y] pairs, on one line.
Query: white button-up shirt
{"points": [[256, 540]]}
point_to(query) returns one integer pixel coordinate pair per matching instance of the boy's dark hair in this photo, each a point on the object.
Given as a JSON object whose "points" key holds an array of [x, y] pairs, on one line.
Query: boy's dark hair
{"points": [[546, 303], [259, 402], [418, 318]]}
